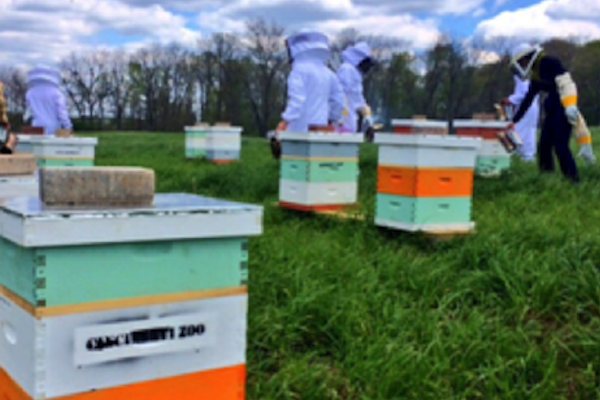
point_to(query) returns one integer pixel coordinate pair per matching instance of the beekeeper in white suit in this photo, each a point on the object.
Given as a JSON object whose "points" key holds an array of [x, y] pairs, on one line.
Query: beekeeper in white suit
{"points": [[314, 95], [46, 103], [357, 62], [527, 126]]}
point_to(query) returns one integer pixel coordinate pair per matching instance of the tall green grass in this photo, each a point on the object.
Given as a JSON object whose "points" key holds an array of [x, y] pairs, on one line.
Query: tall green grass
{"points": [[343, 310]]}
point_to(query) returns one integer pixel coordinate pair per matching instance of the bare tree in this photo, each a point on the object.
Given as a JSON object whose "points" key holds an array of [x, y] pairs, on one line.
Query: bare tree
{"points": [[265, 57]]}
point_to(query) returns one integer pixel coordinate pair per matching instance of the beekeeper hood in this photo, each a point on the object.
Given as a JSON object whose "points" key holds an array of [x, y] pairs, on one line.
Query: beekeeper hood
{"points": [[43, 74], [308, 45], [359, 55], [523, 58]]}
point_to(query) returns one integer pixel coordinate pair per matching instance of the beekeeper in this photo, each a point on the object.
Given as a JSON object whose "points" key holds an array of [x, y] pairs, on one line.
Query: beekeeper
{"points": [[357, 62], [527, 127], [46, 103], [547, 74], [314, 95], [7, 139]]}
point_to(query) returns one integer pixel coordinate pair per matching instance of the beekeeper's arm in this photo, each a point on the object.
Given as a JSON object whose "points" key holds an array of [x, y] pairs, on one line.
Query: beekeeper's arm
{"points": [[336, 100], [519, 93], [351, 82], [296, 97], [63, 111], [567, 90], [533, 91]]}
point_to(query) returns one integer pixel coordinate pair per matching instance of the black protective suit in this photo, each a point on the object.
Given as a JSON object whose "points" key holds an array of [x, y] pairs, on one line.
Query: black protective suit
{"points": [[556, 129]]}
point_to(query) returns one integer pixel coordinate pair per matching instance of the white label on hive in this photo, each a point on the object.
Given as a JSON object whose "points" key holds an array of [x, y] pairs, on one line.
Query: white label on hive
{"points": [[111, 342]]}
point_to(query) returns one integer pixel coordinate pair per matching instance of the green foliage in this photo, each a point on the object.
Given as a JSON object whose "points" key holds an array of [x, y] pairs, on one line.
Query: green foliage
{"points": [[343, 310]]}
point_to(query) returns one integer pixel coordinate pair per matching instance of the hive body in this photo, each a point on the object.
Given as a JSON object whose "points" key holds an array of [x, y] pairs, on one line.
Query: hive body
{"points": [[140, 303], [319, 170], [425, 182]]}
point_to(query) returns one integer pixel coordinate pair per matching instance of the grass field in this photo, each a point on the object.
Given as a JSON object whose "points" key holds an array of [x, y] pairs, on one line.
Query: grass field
{"points": [[342, 310]]}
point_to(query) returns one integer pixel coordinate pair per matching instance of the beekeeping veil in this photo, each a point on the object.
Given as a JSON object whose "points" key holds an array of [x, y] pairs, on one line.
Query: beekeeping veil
{"points": [[308, 44], [43, 74], [359, 55], [523, 58]]}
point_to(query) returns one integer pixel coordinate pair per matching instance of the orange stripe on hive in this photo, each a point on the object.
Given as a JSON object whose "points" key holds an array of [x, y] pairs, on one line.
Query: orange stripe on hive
{"points": [[430, 182], [222, 384]]}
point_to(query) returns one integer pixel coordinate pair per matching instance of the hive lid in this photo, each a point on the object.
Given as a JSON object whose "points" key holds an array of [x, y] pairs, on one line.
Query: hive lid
{"points": [[322, 137], [173, 216], [59, 141], [425, 140]]}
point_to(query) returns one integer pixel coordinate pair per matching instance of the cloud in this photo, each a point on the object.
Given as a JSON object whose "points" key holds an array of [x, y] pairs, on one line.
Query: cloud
{"points": [[47, 30], [545, 20], [33, 31], [331, 16]]}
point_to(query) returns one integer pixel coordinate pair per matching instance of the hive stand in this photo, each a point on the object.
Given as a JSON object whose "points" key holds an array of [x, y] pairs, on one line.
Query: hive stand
{"points": [[425, 183], [319, 172], [143, 303], [492, 157]]}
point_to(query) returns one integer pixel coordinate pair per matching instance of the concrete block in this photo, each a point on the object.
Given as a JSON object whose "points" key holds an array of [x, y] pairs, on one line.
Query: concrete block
{"points": [[97, 186], [17, 164]]}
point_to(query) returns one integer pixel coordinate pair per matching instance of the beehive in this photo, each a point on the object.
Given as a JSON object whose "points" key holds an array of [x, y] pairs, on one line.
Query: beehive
{"points": [[52, 151], [319, 170], [425, 182], [24, 143], [492, 158], [223, 143], [138, 303], [195, 141], [419, 126]]}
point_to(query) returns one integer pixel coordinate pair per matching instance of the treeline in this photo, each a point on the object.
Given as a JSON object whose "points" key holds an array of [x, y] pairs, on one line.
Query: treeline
{"points": [[243, 79]]}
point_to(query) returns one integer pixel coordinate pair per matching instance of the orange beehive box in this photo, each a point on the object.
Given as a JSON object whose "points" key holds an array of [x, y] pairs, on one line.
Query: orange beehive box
{"points": [[426, 182], [222, 384]]}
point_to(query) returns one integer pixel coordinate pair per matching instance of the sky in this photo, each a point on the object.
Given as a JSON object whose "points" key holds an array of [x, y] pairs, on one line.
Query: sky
{"points": [[44, 31]]}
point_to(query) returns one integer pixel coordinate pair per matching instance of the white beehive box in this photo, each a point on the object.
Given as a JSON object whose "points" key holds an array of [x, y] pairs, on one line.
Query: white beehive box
{"points": [[64, 355], [64, 151], [427, 150]]}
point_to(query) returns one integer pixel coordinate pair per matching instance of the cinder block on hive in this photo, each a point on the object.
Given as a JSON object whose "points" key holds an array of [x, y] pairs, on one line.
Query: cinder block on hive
{"points": [[17, 164], [97, 186]]}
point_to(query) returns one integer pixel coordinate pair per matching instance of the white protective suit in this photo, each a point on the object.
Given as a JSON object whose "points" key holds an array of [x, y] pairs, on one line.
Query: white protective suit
{"points": [[351, 80], [314, 95], [46, 103], [527, 126]]}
